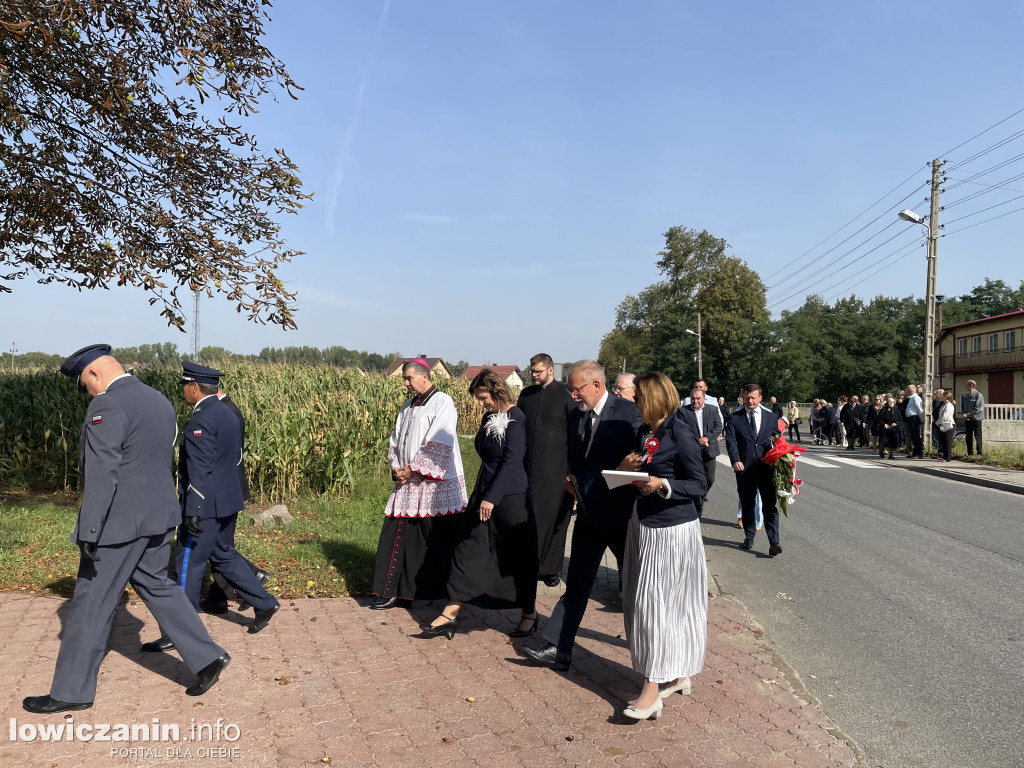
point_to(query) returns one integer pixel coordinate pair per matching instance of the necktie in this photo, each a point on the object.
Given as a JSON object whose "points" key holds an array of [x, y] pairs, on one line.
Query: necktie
{"points": [[588, 431], [753, 422]]}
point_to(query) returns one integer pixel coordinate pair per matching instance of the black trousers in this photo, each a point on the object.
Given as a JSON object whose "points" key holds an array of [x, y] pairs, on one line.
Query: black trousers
{"points": [[589, 541], [973, 432], [217, 544], [749, 482], [914, 428]]}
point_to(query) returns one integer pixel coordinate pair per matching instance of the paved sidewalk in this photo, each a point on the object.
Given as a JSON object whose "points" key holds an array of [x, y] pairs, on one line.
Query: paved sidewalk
{"points": [[330, 682], [1000, 478]]}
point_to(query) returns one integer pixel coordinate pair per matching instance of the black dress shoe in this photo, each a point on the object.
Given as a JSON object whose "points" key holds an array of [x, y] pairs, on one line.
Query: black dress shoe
{"points": [[383, 603], [46, 705], [162, 643], [263, 618], [550, 656], [774, 549], [215, 608], [261, 577], [747, 544], [552, 581], [208, 675]]}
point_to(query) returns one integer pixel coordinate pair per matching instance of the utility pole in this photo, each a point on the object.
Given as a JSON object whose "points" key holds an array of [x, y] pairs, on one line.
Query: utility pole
{"points": [[700, 351], [195, 327], [929, 323], [14, 349]]}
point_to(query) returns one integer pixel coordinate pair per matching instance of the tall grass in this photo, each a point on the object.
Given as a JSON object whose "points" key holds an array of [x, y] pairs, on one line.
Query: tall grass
{"points": [[311, 429]]}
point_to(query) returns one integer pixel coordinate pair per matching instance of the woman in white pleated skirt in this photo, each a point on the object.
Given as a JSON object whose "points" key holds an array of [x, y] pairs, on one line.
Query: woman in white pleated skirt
{"points": [[664, 593]]}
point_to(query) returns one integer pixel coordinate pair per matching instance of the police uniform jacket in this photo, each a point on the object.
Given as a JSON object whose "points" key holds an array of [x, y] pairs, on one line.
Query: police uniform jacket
{"points": [[126, 450], [208, 459]]}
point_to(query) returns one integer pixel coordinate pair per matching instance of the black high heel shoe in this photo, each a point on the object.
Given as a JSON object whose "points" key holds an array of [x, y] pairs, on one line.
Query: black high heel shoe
{"points": [[447, 628], [517, 632]]}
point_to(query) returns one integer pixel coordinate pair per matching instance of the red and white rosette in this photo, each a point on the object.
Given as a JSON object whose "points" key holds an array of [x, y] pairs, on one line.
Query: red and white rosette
{"points": [[651, 445]]}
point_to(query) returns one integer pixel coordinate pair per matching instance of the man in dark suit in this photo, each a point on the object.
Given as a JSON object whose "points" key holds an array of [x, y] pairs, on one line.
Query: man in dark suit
{"points": [[602, 431], [125, 524], [211, 497], [749, 432], [707, 422]]}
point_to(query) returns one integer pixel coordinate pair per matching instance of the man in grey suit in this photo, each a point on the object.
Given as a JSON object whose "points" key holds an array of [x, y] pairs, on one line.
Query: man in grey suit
{"points": [[602, 431], [709, 426], [125, 524]]}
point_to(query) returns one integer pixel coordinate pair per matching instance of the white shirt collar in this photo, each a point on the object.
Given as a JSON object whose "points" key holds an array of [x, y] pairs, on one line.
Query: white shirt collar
{"points": [[600, 404]]}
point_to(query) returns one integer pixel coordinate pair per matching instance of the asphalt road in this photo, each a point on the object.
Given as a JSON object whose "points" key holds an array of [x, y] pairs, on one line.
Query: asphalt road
{"points": [[898, 600]]}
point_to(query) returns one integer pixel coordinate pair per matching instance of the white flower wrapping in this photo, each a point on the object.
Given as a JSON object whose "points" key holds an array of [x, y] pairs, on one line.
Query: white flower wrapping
{"points": [[497, 425]]}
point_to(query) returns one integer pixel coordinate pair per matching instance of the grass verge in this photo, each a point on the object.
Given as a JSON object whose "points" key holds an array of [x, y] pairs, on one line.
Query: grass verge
{"points": [[327, 552]]}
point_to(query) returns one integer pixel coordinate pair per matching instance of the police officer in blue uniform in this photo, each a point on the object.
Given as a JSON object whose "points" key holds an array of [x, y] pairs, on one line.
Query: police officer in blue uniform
{"points": [[125, 524], [211, 496]]}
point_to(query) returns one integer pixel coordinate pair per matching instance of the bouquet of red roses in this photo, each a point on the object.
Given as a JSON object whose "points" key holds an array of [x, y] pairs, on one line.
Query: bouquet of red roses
{"points": [[782, 457]]}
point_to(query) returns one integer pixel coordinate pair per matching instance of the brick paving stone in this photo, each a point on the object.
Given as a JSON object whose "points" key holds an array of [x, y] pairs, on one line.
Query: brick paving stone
{"points": [[366, 691]]}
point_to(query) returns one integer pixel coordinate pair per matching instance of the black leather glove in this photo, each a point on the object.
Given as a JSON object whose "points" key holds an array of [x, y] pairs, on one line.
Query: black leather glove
{"points": [[89, 551], [192, 524]]}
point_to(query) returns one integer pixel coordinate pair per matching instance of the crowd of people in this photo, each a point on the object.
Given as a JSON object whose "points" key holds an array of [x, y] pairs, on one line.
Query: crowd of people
{"points": [[545, 454], [893, 422]]}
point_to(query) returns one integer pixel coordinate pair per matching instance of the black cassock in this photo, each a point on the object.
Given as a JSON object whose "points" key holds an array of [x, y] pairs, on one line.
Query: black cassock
{"points": [[547, 412]]}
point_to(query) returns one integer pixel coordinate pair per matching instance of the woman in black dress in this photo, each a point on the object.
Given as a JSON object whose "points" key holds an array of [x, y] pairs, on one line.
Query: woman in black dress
{"points": [[495, 561], [888, 424]]}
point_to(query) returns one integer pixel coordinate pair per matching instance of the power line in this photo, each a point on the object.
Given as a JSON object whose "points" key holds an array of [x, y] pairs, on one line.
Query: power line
{"points": [[979, 193], [847, 266], [809, 250], [994, 125], [986, 221], [854, 234]]}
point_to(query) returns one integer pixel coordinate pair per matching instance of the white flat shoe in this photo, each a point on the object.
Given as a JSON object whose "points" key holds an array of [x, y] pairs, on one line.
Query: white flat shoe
{"points": [[682, 688], [654, 711]]}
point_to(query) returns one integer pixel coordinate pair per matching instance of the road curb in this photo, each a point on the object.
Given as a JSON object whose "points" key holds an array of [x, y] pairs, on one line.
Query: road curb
{"points": [[960, 477]]}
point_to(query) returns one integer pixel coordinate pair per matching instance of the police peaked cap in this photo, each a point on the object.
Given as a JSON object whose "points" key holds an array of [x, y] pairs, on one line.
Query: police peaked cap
{"points": [[200, 374], [74, 365]]}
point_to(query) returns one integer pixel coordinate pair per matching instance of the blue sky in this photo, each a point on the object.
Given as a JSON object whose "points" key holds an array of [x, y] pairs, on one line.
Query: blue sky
{"points": [[492, 179]]}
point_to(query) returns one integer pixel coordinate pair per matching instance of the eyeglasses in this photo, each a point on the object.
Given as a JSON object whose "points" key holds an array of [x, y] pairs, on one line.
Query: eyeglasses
{"points": [[580, 388], [617, 388], [538, 371]]}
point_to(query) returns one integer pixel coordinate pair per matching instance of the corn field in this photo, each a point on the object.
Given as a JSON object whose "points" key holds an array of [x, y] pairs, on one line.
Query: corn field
{"points": [[311, 429]]}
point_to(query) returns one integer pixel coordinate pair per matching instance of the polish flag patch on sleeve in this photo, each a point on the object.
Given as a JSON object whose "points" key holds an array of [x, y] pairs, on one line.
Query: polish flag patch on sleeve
{"points": [[197, 433], [97, 419]]}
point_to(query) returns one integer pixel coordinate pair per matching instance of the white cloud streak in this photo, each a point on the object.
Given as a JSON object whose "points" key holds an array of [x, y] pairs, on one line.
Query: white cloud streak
{"points": [[350, 134]]}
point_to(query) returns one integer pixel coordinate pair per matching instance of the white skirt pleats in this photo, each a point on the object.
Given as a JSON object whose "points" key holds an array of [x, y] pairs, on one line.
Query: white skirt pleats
{"points": [[665, 600]]}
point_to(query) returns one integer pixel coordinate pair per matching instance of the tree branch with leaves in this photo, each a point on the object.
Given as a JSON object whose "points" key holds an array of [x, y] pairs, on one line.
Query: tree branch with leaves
{"points": [[114, 169]]}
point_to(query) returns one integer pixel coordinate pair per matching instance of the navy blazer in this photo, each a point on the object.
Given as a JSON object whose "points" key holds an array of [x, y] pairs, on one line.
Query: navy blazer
{"points": [[711, 422], [678, 463], [208, 459], [614, 437], [740, 440], [126, 451]]}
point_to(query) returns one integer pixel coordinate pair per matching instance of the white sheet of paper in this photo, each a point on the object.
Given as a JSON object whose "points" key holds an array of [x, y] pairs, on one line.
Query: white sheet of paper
{"points": [[615, 477]]}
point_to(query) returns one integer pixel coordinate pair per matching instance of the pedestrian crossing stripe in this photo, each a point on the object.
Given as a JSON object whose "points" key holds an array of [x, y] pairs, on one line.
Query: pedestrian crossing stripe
{"points": [[859, 463]]}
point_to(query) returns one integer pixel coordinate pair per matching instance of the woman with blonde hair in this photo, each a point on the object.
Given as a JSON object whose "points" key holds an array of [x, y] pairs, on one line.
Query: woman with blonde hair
{"points": [[495, 561], [664, 591], [793, 415]]}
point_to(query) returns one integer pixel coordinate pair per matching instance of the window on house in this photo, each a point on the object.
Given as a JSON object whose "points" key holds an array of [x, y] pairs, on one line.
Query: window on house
{"points": [[976, 345], [963, 348], [1010, 341], [993, 343]]}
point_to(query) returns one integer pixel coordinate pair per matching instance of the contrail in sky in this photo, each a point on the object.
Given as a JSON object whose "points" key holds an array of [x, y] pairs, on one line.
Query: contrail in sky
{"points": [[346, 144]]}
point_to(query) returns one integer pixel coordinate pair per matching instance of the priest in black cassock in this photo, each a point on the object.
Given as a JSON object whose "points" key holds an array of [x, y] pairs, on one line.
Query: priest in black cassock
{"points": [[547, 405]]}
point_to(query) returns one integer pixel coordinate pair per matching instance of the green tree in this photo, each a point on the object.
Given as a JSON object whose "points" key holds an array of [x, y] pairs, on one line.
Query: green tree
{"points": [[111, 171], [699, 276]]}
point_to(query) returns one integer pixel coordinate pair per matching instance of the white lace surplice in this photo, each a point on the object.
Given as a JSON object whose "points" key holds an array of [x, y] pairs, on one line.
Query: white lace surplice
{"points": [[425, 440]]}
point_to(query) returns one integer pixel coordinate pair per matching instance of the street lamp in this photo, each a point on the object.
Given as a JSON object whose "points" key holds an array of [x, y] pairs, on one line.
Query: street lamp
{"points": [[929, 301], [700, 351]]}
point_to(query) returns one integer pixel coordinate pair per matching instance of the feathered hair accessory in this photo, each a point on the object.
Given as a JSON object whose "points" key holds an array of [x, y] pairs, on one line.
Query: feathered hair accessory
{"points": [[497, 425]]}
